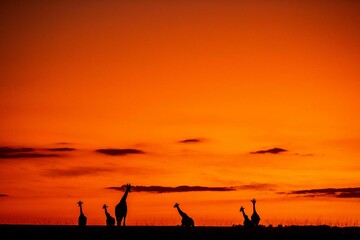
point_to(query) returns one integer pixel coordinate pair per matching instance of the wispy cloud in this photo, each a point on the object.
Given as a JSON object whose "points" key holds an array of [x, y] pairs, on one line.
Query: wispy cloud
{"points": [[119, 151], [10, 150], [305, 154], [64, 149], [271, 151], [75, 172], [3, 195], [329, 192], [257, 186], [192, 140], [163, 189], [23, 152]]}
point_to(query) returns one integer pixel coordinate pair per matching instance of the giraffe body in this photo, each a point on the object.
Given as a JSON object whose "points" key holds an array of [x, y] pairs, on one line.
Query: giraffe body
{"points": [[186, 221], [247, 221], [82, 218], [255, 218], [110, 221], [121, 207]]}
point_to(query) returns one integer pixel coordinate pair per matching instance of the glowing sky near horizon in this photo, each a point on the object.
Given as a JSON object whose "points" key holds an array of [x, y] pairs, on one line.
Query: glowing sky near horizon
{"points": [[260, 98]]}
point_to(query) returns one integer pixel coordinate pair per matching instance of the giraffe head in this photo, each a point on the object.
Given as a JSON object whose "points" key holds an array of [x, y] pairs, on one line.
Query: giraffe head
{"points": [[105, 206], [128, 187], [80, 203], [242, 209], [176, 205], [253, 201]]}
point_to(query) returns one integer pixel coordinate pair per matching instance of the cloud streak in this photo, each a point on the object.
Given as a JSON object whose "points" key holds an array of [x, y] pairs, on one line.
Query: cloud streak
{"points": [[270, 151], [4, 195], [191, 140], [163, 189], [75, 172], [23, 152], [119, 151], [65, 149], [257, 186], [329, 192]]}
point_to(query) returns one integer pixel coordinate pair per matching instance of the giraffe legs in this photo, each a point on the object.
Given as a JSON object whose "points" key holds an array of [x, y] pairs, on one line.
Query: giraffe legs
{"points": [[118, 221]]}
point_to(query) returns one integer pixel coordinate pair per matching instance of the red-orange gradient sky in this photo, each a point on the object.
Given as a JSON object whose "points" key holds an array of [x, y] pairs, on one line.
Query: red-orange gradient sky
{"points": [[259, 98]]}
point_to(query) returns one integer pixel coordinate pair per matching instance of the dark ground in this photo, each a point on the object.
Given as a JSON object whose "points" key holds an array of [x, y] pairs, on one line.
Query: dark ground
{"points": [[53, 232]]}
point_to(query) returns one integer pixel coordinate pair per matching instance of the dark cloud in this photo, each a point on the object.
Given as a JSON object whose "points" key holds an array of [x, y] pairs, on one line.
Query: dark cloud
{"points": [[192, 140], [258, 186], [329, 192], [10, 150], [119, 152], [29, 155], [75, 172], [23, 152], [64, 149], [305, 154], [4, 195], [162, 189], [272, 151]]}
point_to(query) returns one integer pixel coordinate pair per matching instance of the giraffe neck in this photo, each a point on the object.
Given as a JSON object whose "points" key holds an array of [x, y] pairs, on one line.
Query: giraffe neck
{"points": [[182, 214], [245, 216], [106, 213], [81, 212], [123, 199], [254, 210]]}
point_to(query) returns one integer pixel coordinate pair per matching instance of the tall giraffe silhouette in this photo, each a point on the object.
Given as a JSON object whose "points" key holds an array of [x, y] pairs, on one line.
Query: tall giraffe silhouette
{"points": [[110, 221], [255, 218], [247, 221], [82, 218], [186, 221], [121, 207]]}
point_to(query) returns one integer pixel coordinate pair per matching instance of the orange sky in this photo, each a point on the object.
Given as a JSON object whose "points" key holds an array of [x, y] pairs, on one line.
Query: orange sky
{"points": [[237, 77]]}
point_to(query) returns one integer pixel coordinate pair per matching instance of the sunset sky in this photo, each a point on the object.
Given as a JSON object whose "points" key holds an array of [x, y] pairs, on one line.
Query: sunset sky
{"points": [[243, 99]]}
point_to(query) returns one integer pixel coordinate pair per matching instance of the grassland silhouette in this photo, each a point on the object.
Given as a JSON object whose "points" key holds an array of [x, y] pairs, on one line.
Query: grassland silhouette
{"points": [[250, 229]]}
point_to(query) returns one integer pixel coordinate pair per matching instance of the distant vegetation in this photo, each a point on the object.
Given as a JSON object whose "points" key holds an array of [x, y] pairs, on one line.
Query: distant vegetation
{"points": [[12, 232]]}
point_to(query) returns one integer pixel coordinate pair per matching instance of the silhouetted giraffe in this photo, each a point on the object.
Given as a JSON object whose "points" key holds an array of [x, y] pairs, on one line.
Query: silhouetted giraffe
{"points": [[110, 221], [255, 218], [121, 207], [247, 221], [82, 218], [186, 221]]}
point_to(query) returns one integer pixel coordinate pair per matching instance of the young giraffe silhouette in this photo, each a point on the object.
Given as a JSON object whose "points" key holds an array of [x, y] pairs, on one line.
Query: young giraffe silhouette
{"points": [[186, 221], [255, 218], [110, 221], [82, 218], [247, 221], [121, 207]]}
